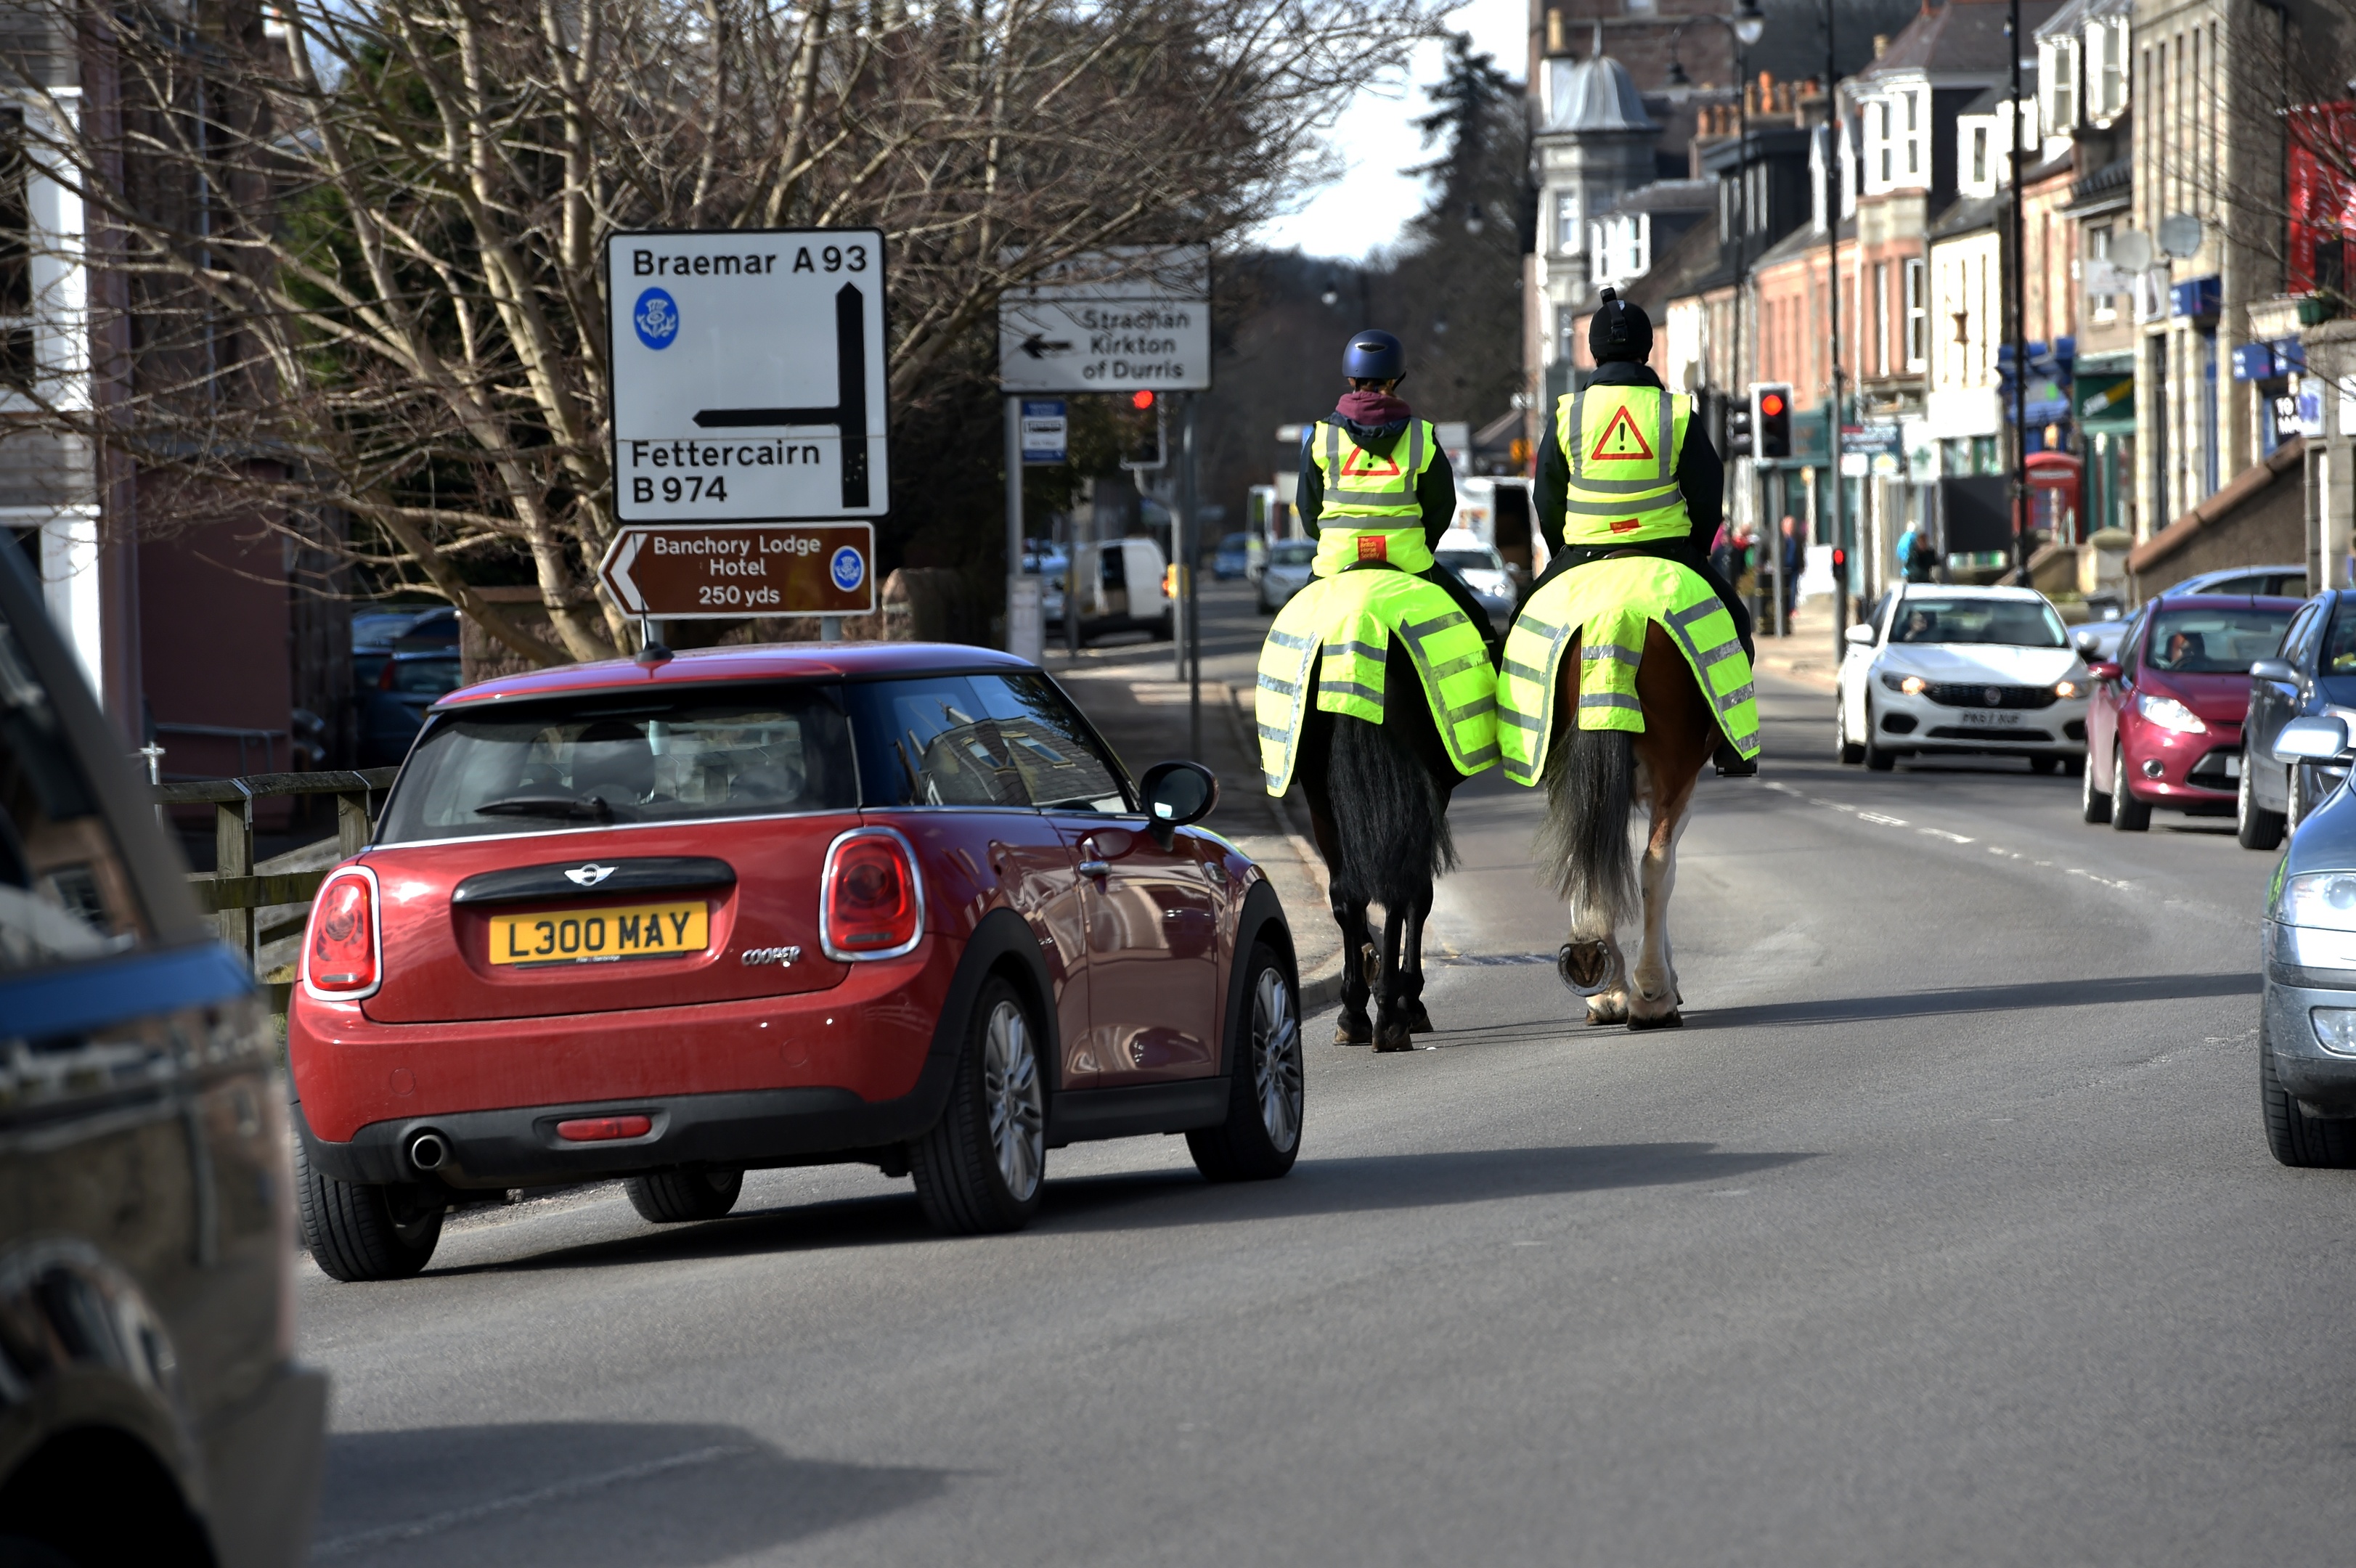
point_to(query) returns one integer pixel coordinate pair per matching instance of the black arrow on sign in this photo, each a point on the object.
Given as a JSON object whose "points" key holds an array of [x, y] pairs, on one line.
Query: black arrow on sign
{"points": [[847, 416], [1039, 347]]}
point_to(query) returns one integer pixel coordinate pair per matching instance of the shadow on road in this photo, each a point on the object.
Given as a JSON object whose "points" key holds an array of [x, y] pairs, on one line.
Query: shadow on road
{"points": [[1983, 999], [588, 1494], [1364, 1183]]}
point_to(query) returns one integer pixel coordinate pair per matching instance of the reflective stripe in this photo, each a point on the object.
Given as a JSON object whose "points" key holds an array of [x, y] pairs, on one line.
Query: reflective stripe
{"points": [[1348, 689], [1524, 671], [1484, 756], [1459, 666], [1290, 640], [1737, 697], [1473, 710], [1611, 651], [1630, 486], [1692, 613], [1723, 651], [1669, 431], [1609, 508], [1518, 719], [1282, 687], [1420, 629], [1270, 732], [1356, 650], [1610, 699], [1576, 429]]}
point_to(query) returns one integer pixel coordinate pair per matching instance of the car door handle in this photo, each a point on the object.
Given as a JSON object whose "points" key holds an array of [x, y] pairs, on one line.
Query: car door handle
{"points": [[1095, 868]]}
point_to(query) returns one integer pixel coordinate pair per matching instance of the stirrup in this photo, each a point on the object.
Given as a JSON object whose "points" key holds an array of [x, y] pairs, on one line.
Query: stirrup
{"points": [[1733, 764]]}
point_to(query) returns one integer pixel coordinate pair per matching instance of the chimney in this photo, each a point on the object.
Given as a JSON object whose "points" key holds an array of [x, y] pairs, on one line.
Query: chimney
{"points": [[1556, 43], [1880, 42]]}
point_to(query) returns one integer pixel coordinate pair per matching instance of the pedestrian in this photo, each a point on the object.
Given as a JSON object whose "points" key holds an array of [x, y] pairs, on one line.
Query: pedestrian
{"points": [[1796, 558], [1374, 484], [1663, 488]]}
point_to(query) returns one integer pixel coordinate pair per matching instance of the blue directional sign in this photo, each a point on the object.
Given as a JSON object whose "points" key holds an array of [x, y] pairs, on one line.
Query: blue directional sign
{"points": [[1045, 430]]}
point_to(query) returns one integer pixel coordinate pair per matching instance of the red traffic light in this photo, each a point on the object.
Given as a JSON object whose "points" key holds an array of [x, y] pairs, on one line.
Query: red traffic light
{"points": [[1771, 404], [1140, 399], [1840, 559]]}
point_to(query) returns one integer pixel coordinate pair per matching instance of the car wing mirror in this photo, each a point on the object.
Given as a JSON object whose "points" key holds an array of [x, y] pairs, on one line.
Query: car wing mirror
{"points": [[2316, 739], [2103, 669], [2273, 669], [1175, 795], [1859, 635]]}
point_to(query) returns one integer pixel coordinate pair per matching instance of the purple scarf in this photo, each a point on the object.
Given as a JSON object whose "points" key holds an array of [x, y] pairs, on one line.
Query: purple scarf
{"points": [[1373, 409]]}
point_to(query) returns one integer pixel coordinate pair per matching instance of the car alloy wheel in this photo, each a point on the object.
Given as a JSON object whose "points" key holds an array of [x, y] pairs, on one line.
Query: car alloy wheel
{"points": [[1017, 1114], [982, 1166], [2094, 805], [1844, 750], [1260, 1136], [2128, 815]]}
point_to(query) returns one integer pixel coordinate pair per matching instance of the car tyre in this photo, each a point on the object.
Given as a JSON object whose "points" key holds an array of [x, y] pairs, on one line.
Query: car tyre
{"points": [[2094, 805], [1847, 751], [2296, 1138], [1878, 759], [1261, 1135], [2254, 827], [2043, 764], [675, 1197], [2128, 815], [982, 1165], [359, 1232]]}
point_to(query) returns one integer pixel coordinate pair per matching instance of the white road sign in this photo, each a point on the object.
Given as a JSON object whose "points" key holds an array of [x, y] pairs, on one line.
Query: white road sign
{"points": [[748, 375], [1131, 318]]}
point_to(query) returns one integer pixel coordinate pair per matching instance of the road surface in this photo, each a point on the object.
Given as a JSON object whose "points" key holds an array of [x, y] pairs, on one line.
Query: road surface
{"points": [[1943, 1234]]}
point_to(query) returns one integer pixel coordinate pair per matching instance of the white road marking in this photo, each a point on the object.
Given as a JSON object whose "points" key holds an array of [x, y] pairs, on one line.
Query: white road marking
{"points": [[1880, 821], [1942, 833], [433, 1524]]}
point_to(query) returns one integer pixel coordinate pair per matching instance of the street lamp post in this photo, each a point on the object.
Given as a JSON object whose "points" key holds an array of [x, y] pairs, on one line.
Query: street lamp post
{"points": [[2017, 313], [1834, 483]]}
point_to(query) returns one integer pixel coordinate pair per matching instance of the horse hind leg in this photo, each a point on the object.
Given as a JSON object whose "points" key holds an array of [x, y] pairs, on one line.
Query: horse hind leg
{"points": [[1352, 1025], [1654, 998], [1391, 1030], [1411, 977]]}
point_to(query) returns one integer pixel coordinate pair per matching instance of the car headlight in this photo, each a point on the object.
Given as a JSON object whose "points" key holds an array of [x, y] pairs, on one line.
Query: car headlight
{"points": [[2324, 901], [2065, 689], [2171, 714], [2335, 1029], [1911, 685]]}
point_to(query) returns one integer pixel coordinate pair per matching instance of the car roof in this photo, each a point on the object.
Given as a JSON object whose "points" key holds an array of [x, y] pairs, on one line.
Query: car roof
{"points": [[774, 661], [2227, 601], [1968, 590]]}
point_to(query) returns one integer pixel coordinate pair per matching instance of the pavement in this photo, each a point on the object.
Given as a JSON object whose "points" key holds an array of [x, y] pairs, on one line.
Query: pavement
{"points": [[1945, 1232]]}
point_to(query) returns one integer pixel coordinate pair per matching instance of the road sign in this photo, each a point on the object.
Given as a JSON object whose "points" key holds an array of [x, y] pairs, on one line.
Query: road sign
{"points": [[742, 569], [1134, 317], [1045, 430], [747, 375]]}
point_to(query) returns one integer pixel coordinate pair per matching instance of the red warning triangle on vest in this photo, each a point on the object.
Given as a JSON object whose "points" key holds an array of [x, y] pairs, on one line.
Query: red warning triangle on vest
{"points": [[1360, 464], [1612, 433]]}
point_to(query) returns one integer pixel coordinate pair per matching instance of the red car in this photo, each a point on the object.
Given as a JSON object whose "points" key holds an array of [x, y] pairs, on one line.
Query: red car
{"points": [[2164, 727], [669, 920]]}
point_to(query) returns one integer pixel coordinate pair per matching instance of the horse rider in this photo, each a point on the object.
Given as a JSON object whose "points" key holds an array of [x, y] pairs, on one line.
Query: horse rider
{"points": [[1375, 488], [1646, 482]]}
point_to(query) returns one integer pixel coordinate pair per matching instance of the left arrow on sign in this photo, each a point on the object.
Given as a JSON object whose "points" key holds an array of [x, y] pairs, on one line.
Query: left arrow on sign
{"points": [[615, 571]]}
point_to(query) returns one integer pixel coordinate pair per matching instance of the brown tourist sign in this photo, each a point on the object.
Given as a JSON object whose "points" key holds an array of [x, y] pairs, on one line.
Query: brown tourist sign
{"points": [[736, 570]]}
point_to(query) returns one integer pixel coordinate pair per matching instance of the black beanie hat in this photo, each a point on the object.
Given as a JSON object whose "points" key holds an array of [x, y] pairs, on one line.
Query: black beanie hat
{"points": [[1619, 330]]}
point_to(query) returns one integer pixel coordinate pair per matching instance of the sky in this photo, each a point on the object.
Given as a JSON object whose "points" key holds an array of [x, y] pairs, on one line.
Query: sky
{"points": [[1363, 211]]}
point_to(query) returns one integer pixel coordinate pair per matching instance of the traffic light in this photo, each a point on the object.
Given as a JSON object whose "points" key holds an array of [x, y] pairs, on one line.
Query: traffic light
{"points": [[1143, 446], [1840, 567], [1771, 419], [1738, 432]]}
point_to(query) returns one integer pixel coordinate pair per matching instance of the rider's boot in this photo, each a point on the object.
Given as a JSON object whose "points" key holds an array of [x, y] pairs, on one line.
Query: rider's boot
{"points": [[1733, 764]]}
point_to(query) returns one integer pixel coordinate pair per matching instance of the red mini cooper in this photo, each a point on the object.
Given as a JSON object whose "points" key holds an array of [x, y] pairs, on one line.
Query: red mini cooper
{"points": [[671, 920]]}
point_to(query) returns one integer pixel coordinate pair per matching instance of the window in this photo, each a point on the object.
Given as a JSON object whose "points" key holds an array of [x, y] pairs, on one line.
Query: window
{"points": [[1980, 154], [2006, 623], [1918, 318], [2110, 87], [16, 366], [2062, 69], [1883, 112], [1061, 767], [1913, 141], [1566, 221], [602, 757], [2106, 307], [1879, 306]]}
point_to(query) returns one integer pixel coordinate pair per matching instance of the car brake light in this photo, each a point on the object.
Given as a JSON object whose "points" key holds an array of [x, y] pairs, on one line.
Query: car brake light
{"points": [[343, 951], [600, 1129], [871, 900]]}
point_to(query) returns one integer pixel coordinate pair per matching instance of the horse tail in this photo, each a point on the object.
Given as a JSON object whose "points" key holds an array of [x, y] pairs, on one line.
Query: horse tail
{"points": [[1390, 820], [1582, 846]]}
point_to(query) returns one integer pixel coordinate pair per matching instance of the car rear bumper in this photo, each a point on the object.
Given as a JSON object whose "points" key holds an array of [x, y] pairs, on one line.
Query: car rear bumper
{"points": [[2323, 1082], [862, 1042]]}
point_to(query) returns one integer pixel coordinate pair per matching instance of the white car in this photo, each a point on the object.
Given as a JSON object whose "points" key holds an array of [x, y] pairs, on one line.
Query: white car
{"points": [[1942, 669], [1286, 573], [1485, 571]]}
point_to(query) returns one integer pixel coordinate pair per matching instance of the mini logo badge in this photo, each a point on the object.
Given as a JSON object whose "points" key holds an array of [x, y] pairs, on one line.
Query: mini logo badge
{"points": [[1994, 695], [656, 316], [848, 569], [1374, 547], [783, 957], [590, 875]]}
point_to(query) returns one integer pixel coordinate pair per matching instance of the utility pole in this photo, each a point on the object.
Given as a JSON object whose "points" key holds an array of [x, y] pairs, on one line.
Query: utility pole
{"points": [[1835, 483], [1187, 524], [2017, 313]]}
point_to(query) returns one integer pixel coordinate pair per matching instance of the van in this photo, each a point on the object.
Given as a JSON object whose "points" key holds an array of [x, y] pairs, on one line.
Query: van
{"points": [[1116, 586]]}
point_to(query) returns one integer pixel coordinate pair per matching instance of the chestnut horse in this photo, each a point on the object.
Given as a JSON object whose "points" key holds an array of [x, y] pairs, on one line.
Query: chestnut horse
{"points": [[1593, 778]]}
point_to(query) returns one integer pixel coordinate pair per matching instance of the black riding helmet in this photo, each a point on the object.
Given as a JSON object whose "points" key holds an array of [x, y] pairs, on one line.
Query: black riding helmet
{"points": [[1619, 330]]}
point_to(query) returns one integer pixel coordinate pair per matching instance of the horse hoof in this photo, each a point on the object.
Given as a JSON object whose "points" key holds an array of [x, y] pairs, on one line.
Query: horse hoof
{"points": [[1349, 1029], [1670, 1019], [1585, 967], [1417, 1020], [1392, 1037]]}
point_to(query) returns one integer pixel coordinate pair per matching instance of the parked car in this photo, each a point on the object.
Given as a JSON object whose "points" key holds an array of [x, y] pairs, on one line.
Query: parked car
{"points": [[2164, 725], [1120, 585], [2306, 1019], [1047, 561], [1287, 572], [391, 715], [2254, 581], [2314, 671], [1943, 670], [150, 1409], [891, 903], [432, 631], [1485, 571], [1232, 561]]}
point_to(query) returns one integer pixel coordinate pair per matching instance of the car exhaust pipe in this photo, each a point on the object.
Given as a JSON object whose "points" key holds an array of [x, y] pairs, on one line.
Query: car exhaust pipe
{"points": [[429, 1151]]}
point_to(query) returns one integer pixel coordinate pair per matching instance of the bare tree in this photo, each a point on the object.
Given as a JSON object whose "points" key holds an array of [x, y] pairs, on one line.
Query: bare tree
{"points": [[362, 241]]}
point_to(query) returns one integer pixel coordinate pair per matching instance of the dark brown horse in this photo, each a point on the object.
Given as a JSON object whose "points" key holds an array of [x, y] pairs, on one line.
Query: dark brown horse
{"points": [[1593, 779], [1378, 809]]}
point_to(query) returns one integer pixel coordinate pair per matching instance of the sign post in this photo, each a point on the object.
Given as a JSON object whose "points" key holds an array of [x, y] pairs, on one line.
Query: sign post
{"points": [[747, 371]]}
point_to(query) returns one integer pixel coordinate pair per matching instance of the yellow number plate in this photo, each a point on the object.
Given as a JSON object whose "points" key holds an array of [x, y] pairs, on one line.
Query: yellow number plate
{"points": [[574, 936]]}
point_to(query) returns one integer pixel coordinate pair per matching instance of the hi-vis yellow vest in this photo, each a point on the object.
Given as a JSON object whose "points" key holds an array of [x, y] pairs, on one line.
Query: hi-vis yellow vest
{"points": [[1369, 510], [1350, 620], [1606, 605], [1621, 443]]}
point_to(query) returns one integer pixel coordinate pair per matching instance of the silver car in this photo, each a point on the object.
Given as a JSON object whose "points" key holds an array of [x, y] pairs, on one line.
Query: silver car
{"points": [[1287, 572], [2307, 1031]]}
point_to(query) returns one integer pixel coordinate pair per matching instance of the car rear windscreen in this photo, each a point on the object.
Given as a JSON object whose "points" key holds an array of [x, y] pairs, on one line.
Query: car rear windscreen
{"points": [[2011, 623], [1292, 552], [2214, 642], [542, 766]]}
